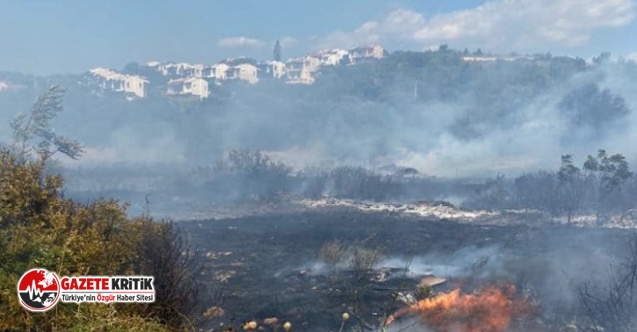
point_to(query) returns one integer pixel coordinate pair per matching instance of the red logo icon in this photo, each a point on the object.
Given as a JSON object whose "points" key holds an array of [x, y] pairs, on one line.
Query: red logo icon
{"points": [[38, 290]]}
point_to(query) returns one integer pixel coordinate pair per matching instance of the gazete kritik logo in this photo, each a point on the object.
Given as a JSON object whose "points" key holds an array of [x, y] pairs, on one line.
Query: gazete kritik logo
{"points": [[39, 290]]}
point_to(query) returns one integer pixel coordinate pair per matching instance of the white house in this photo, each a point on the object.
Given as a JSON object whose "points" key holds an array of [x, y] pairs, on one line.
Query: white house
{"points": [[188, 86], [368, 52], [332, 57], [245, 72], [4, 86], [218, 71], [112, 80], [304, 70], [274, 69], [298, 72], [479, 58], [181, 69], [312, 63]]}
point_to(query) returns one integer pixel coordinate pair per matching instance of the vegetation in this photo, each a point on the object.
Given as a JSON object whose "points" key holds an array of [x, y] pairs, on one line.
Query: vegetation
{"points": [[37, 125], [39, 227], [604, 186], [333, 253], [376, 105], [612, 308], [251, 175], [276, 53]]}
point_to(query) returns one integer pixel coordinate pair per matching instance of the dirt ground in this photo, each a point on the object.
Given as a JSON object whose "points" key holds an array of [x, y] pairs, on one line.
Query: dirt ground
{"points": [[266, 266]]}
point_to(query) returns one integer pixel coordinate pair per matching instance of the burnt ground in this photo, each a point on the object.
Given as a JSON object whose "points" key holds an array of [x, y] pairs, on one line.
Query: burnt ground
{"points": [[258, 267]]}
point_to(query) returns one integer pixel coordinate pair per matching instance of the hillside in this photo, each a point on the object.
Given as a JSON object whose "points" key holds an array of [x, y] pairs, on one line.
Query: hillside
{"points": [[406, 106]]}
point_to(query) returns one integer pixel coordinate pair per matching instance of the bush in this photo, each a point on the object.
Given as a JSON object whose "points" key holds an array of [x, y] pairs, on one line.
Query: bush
{"points": [[360, 183], [613, 308], [40, 228], [364, 260], [251, 175], [333, 253], [167, 257]]}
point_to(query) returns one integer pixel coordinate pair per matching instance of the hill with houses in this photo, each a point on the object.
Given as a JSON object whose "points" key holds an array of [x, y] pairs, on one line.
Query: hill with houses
{"points": [[351, 103], [187, 79]]}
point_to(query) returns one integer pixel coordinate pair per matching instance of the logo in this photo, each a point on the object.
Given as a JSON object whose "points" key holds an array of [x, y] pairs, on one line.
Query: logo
{"points": [[39, 290]]}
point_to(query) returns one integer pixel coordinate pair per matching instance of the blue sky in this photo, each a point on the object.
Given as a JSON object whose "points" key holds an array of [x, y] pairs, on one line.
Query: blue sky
{"points": [[45, 37]]}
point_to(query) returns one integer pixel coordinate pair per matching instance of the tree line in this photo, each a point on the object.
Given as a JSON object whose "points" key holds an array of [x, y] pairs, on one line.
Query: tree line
{"points": [[603, 186]]}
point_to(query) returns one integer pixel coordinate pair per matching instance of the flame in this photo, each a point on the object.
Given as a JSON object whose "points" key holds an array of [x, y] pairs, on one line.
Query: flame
{"points": [[491, 309]]}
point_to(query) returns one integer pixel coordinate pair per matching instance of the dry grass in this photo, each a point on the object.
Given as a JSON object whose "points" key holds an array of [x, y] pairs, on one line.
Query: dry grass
{"points": [[333, 253]]}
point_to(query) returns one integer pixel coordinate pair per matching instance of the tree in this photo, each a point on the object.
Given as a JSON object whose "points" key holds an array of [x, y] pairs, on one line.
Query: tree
{"points": [[33, 132], [539, 191], [41, 228], [569, 186], [609, 173], [604, 57], [590, 110], [132, 68], [277, 51], [252, 174]]}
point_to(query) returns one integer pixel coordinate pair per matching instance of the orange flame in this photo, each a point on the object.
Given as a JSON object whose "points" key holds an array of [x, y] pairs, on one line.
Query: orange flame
{"points": [[490, 310]]}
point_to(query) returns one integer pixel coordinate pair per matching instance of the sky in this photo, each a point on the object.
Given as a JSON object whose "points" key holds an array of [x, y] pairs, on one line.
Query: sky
{"points": [[45, 37]]}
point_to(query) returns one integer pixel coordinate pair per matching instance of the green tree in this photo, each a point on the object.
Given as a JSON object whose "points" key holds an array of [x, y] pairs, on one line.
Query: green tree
{"points": [[33, 132], [591, 110], [41, 228], [277, 51], [132, 68], [604, 57], [569, 186], [609, 173]]}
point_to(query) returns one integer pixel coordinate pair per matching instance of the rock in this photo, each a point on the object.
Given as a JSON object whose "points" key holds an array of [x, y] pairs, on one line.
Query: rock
{"points": [[214, 312], [270, 321]]}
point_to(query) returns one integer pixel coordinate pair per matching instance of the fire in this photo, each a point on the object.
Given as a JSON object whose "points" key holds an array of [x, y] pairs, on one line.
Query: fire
{"points": [[491, 309]]}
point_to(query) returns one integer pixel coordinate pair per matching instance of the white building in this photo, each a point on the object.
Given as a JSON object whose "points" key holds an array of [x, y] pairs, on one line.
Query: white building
{"points": [[332, 57], [4, 86], [118, 82], [218, 71], [181, 69], [188, 86], [368, 52], [479, 58], [273, 69], [245, 72], [298, 72], [312, 63]]}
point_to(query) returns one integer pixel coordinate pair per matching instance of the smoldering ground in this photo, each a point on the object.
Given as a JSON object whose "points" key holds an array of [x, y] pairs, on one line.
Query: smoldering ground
{"points": [[548, 265]]}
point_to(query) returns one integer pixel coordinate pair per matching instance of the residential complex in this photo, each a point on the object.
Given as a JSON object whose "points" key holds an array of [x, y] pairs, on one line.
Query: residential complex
{"points": [[118, 82], [185, 79]]}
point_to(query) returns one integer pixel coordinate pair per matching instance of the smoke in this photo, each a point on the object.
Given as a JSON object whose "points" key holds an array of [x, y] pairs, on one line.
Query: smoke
{"points": [[469, 261], [473, 120], [475, 133]]}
